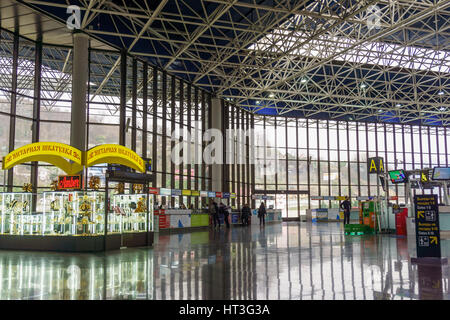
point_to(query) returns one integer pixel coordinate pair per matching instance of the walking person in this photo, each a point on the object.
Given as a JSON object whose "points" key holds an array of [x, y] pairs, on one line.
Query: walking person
{"points": [[346, 205], [226, 213], [245, 214], [214, 211], [262, 214]]}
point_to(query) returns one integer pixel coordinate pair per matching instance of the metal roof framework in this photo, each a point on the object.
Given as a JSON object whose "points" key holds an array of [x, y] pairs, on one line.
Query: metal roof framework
{"points": [[315, 59]]}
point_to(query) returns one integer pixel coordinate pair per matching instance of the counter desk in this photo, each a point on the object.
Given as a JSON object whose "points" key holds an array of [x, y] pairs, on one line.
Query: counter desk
{"points": [[179, 220]]}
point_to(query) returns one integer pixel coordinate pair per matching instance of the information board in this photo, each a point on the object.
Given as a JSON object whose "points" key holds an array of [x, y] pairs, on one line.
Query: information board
{"points": [[428, 240]]}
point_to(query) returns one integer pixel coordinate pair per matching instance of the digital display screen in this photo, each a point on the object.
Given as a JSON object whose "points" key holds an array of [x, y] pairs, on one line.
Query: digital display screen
{"points": [[397, 176], [440, 173]]}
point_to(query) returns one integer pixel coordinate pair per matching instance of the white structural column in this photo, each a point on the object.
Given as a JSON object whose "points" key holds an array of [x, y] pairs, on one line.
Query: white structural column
{"points": [[79, 90], [217, 123]]}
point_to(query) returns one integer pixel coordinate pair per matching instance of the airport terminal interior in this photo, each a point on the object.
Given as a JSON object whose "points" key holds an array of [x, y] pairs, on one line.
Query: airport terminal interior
{"points": [[224, 149]]}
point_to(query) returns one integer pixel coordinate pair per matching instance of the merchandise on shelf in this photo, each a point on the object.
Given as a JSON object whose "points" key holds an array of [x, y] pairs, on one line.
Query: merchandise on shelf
{"points": [[16, 215], [74, 213], [132, 211]]}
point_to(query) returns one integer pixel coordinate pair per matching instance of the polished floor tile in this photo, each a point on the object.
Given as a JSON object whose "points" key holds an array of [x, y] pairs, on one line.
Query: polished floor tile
{"points": [[287, 261]]}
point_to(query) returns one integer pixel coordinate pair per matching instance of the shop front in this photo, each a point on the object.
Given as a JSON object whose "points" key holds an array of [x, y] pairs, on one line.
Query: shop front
{"points": [[72, 218]]}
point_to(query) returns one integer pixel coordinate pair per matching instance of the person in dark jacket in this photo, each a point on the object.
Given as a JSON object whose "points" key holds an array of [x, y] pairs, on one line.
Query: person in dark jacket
{"points": [[262, 214], [245, 214], [215, 214], [225, 212], [346, 205]]}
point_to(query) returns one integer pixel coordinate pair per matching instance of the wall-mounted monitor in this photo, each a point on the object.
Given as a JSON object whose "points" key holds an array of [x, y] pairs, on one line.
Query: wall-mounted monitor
{"points": [[398, 176], [382, 182], [441, 173]]}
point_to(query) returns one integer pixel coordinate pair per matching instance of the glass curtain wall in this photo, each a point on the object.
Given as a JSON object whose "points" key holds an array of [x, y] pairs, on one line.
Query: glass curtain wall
{"points": [[35, 105], [329, 158]]}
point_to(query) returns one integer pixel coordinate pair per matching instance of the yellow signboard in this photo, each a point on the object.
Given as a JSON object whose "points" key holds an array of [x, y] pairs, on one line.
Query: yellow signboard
{"points": [[51, 152], [195, 193], [186, 192], [113, 153], [70, 159]]}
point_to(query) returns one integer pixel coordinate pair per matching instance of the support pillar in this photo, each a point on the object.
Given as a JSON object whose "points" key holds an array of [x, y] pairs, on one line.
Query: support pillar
{"points": [[80, 73], [217, 123]]}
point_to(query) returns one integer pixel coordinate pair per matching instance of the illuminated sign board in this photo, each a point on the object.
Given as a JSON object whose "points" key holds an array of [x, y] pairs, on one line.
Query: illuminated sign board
{"points": [[69, 182], [186, 192], [428, 242], [375, 165], [165, 192], [204, 194], [195, 193], [114, 153], [57, 154], [176, 192]]}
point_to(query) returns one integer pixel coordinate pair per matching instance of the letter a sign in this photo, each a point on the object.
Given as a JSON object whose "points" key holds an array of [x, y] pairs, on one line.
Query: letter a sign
{"points": [[375, 165]]}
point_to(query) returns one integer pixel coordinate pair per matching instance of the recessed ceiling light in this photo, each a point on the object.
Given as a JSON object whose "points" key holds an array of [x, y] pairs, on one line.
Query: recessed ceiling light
{"points": [[380, 110], [257, 102], [398, 105], [363, 85], [442, 108], [304, 80], [441, 93], [271, 95]]}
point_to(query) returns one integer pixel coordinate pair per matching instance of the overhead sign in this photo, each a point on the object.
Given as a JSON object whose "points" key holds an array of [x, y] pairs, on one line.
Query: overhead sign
{"points": [[375, 165], [114, 153], [186, 192], [211, 194], [69, 182], [195, 193], [218, 194], [364, 198], [204, 194], [226, 195], [57, 154], [233, 195], [424, 176], [428, 240], [165, 192], [176, 192], [152, 190]]}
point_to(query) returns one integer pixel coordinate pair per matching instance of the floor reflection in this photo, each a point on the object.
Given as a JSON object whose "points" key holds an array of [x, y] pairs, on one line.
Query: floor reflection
{"points": [[283, 261]]}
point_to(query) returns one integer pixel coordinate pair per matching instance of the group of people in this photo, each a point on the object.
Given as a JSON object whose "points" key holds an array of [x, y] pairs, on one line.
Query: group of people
{"points": [[221, 209]]}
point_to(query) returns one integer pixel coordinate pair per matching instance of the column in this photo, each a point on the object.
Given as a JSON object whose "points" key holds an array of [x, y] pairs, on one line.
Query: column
{"points": [[80, 73], [216, 123]]}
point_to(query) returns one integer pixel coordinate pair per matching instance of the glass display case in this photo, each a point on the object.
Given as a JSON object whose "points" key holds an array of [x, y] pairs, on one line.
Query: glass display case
{"points": [[16, 215], [132, 212], [73, 213]]}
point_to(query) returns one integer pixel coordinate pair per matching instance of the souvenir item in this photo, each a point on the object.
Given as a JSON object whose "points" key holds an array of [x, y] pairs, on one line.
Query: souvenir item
{"points": [[94, 182], [120, 188], [27, 187], [54, 185], [137, 188]]}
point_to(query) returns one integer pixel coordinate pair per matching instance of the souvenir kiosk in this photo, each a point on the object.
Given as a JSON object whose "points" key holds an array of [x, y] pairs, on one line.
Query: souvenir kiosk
{"points": [[73, 217]]}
